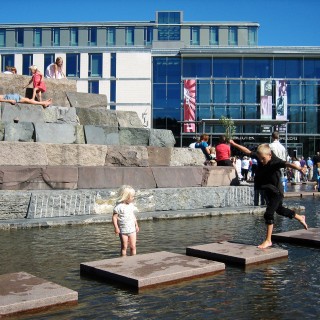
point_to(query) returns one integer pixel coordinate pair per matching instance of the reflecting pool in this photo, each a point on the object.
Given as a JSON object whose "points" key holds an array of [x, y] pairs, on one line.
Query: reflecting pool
{"points": [[286, 289]]}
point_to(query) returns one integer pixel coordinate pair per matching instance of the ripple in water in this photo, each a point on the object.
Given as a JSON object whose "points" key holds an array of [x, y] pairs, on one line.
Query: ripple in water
{"points": [[288, 289]]}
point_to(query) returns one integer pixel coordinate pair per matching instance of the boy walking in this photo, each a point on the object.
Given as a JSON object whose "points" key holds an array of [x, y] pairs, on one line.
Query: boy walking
{"points": [[268, 178]]}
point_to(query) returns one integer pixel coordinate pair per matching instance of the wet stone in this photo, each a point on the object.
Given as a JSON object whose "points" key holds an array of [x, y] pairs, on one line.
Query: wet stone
{"points": [[235, 253], [22, 292], [310, 237], [151, 269]]}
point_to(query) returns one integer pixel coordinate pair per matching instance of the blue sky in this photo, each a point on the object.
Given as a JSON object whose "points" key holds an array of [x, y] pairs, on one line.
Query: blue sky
{"points": [[283, 22]]}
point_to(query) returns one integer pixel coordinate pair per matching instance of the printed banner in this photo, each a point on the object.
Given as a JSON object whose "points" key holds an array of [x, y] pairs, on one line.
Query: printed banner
{"points": [[189, 105], [266, 99], [281, 99]]}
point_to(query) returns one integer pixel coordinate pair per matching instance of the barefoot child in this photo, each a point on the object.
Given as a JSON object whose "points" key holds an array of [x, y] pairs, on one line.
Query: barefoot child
{"points": [[124, 221], [38, 84], [268, 178]]}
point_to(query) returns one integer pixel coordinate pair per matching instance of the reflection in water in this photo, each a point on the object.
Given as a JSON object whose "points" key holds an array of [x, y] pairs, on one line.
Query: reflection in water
{"points": [[287, 289]]}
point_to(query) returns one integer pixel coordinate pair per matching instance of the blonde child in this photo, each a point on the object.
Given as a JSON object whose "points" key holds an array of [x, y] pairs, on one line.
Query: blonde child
{"points": [[38, 84], [124, 220], [54, 70], [268, 179]]}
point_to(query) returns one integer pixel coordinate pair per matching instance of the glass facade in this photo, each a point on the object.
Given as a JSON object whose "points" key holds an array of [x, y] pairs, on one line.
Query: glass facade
{"points": [[169, 26], [48, 59], [148, 36], [7, 60], [111, 36], [195, 36], [93, 86], [231, 87], [233, 36], [214, 36]]}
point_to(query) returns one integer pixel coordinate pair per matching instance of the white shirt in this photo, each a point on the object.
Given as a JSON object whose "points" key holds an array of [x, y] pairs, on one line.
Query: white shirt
{"points": [[279, 150], [126, 217]]}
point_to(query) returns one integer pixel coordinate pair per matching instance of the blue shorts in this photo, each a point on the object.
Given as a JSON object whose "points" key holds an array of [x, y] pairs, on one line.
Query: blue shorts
{"points": [[12, 96]]}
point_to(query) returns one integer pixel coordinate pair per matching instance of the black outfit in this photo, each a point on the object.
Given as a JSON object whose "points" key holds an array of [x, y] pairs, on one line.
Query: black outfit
{"points": [[268, 179], [224, 163]]}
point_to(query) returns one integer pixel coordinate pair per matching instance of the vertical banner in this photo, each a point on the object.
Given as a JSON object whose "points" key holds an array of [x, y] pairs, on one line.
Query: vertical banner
{"points": [[189, 105], [281, 99], [266, 99]]}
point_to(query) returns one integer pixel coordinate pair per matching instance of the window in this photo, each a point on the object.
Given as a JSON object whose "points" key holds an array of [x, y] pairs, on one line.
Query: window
{"points": [[93, 86], [92, 36], [224, 67], [113, 91], [129, 36], [37, 37], [311, 68], [27, 61], [48, 59], [73, 65], [95, 65], [74, 36], [199, 67], [233, 36], [252, 36], [257, 68], [169, 26], [111, 36], [7, 60], [2, 37], [214, 36], [287, 68], [19, 37], [56, 37], [113, 71], [148, 36], [195, 36]]}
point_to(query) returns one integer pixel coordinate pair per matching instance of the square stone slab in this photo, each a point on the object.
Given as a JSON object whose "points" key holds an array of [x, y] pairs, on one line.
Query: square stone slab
{"points": [[235, 253], [22, 292], [148, 270], [310, 237]]}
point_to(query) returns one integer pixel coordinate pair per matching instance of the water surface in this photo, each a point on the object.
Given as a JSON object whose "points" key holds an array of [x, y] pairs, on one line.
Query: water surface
{"points": [[288, 289]]}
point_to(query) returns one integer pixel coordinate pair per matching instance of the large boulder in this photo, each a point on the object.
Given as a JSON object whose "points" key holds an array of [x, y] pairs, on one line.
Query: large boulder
{"points": [[97, 116], [161, 138], [101, 135], [75, 154], [219, 176], [129, 156], [2, 125], [128, 119], [57, 114], [55, 133], [186, 157], [22, 112], [22, 131], [159, 156], [134, 136], [87, 100]]}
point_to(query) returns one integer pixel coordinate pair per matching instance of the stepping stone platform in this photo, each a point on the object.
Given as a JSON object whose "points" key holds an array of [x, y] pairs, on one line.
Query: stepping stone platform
{"points": [[151, 269], [235, 253], [310, 237], [22, 292]]}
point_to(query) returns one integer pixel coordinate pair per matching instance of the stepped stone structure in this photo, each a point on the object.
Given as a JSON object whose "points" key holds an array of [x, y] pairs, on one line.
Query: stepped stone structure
{"points": [[70, 158]]}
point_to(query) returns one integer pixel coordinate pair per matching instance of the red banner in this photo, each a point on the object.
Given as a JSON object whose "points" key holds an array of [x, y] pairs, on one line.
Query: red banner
{"points": [[189, 105]]}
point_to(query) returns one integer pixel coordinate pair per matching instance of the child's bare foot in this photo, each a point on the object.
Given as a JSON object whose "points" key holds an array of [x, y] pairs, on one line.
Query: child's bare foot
{"points": [[47, 103], [265, 244], [302, 220]]}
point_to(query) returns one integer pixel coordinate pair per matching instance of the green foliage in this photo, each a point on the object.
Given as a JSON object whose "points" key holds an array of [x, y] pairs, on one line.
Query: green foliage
{"points": [[229, 126]]}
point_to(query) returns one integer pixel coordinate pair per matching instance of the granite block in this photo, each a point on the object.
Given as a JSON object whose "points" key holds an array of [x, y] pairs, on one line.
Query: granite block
{"points": [[22, 131], [159, 156], [161, 138], [134, 136], [114, 177], [97, 116], [129, 156], [61, 177], [87, 100], [219, 176], [151, 269], [177, 177], [55, 133], [101, 135], [310, 237], [235, 253], [22, 292], [128, 119], [22, 112]]}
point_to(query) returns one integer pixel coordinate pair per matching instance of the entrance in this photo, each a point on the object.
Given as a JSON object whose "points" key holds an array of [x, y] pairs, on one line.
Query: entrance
{"points": [[295, 150]]}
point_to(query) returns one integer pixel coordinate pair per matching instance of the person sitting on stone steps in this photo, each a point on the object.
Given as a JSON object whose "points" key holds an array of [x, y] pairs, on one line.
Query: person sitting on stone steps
{"points": [[14, 98], [268, 178]]}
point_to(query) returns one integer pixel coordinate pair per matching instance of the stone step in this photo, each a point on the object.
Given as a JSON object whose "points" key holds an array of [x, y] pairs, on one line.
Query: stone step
{"points": [[310, 237], [151, 269], [22, 292], [235, 253]]}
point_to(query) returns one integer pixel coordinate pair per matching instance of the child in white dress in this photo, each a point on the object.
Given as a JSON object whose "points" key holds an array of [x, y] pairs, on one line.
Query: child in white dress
{"points": [[124, 220]]}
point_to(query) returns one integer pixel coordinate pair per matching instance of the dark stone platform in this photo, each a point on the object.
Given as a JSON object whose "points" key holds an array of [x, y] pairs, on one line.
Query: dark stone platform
{"points": [[310, 237], [22, 292], [151, 269], [235, 253]]}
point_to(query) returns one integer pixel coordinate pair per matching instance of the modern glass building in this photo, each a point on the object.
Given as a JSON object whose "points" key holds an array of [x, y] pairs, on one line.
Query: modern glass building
{"points": [[142, 66]]}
